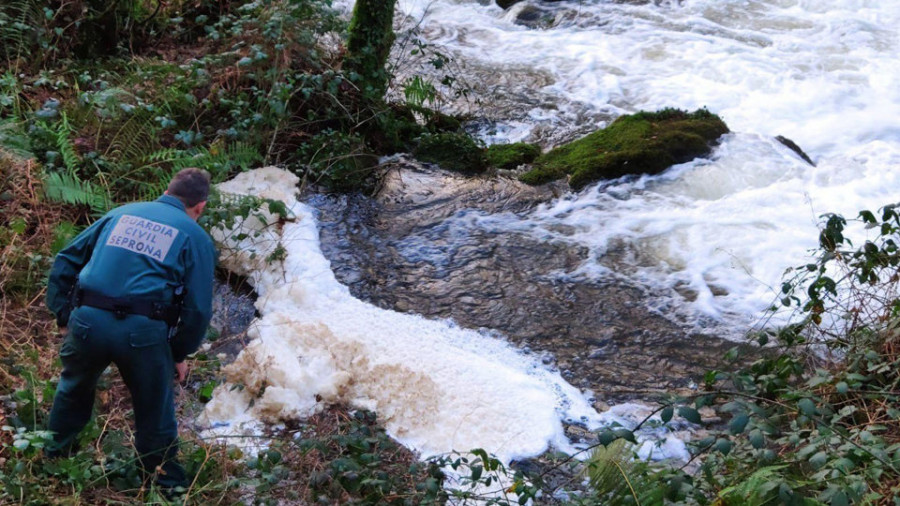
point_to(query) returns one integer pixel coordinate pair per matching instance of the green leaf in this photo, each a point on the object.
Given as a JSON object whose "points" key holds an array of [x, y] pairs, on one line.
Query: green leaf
{"points": [[818, 460], [606, 437], [666, 414], [841, 387], [21, 444], [689, 414], [844, 464], [18, 225], [807, 407], [840, 499], [738, 424], [757, 439], [625, 434], [723, 445]]}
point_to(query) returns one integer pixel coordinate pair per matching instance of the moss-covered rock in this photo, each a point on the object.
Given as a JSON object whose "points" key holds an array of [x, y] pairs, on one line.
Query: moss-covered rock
{"points": [[453, 151], [642, 143], [437, 121], [510, 156]]}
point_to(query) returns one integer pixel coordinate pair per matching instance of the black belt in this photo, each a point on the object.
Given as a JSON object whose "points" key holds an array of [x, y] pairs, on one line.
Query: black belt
{"points": [[122, 307]]}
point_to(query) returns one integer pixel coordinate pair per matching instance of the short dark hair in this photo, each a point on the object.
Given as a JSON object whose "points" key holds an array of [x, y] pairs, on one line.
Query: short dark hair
{"points": [[190, 186]]}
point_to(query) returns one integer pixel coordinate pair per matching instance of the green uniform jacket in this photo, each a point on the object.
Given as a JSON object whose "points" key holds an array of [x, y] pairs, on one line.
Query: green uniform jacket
{"points": [[144, 251]]}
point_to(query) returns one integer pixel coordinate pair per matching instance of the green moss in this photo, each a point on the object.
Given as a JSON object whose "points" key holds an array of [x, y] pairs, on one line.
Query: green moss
{"points": [[453, 151], [510, 156], [440, 122], [641, 143], [369, 39]]}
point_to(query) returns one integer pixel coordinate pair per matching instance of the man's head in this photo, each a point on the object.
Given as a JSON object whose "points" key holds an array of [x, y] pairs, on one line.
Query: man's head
{"points": [[191, 187]]}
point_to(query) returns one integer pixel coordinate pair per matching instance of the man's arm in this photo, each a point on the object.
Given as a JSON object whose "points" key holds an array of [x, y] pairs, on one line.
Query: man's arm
{"points": [[66, 266], [197, 309]]}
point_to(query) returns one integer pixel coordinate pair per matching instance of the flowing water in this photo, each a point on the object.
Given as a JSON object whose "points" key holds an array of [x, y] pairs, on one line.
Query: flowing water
{"points": [[628, 285]]}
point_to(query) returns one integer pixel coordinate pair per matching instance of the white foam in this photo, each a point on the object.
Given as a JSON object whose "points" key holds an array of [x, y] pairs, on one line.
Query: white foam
{"points": [[436, 387], [821, 72]]}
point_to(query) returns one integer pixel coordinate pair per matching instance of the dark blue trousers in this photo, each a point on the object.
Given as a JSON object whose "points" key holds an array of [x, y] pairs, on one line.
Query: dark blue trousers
{"points": [[139, 348]]}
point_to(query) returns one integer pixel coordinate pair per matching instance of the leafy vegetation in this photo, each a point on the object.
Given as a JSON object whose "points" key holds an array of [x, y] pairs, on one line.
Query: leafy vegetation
{"points": [[641, 143]]}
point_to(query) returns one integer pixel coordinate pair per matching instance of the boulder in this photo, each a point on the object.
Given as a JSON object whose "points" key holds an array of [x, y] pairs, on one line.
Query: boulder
{"points": [[452, 151], [534, 16], [506, 4], [641, 143]]}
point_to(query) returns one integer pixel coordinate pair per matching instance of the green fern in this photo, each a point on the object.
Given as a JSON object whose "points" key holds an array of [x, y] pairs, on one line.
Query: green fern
{"points": [[618, 478], [66, 149], [17, 27], [134, 141], [68, 188], [13, 139], [608, 469], [220, 161]]}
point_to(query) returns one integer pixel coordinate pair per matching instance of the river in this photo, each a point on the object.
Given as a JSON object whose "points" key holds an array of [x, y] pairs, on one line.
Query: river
{"points": [[587, 299]]}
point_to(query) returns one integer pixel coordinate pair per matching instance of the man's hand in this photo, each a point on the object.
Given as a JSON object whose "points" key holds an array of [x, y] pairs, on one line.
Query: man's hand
{"points": [[181, 371]]}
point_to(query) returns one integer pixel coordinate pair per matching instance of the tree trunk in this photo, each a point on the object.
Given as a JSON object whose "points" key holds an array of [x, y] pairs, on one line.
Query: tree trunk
{"points": [[369, 41]]}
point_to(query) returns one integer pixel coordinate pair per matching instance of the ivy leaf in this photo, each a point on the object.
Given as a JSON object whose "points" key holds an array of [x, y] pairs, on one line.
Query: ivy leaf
{"points": [[666, 414], [723, 445], [757, 440], [818, 460], [738, 424], [840, 499], [807, 407], [689, 414], [844, 464], [625, 434], [606, 437]]}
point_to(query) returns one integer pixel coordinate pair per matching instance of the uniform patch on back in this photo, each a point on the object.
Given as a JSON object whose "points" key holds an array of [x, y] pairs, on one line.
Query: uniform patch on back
{"points": [[143, 236]]}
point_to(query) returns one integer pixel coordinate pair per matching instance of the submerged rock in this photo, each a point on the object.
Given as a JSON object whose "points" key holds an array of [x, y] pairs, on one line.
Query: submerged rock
{"points": [[533, 16], [642, 143], [506, 4]]}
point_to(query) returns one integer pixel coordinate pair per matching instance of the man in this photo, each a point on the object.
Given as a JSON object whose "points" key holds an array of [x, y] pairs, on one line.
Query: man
{"points": [[134, 289]]}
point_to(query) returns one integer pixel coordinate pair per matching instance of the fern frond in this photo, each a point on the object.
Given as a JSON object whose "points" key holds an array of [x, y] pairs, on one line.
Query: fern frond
{"points": [[14, 139], [134, 141], [608, 468], [618, 477], [220, 161], [68, 188], [17, 27], [64, 145], [165, 155]]}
